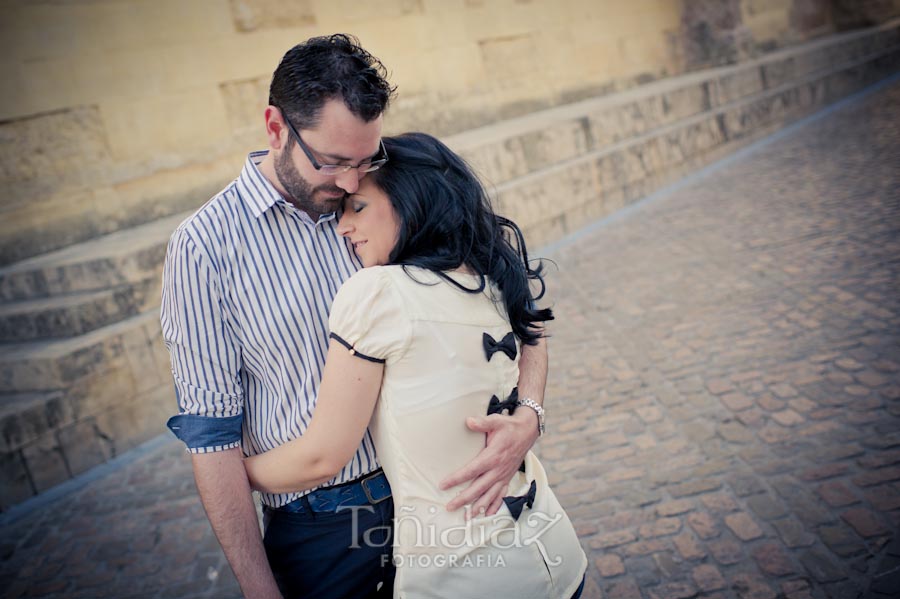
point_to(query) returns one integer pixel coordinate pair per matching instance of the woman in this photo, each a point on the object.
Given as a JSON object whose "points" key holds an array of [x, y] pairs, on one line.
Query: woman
{"points": [[428, 334]]}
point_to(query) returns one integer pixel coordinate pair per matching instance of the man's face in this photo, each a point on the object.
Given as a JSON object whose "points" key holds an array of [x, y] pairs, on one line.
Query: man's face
{"points": [[340, 138]]}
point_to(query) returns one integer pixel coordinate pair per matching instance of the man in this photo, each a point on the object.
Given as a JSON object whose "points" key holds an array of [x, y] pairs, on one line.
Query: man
{"points": [[248, 283]]}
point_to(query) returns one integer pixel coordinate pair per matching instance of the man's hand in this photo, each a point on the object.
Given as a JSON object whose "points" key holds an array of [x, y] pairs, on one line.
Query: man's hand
{"points": [[508, 440]]}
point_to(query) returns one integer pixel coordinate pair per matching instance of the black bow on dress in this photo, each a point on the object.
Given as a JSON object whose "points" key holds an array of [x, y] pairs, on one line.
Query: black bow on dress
{"points": [[517, 504], [507, 345], [495, 406]]}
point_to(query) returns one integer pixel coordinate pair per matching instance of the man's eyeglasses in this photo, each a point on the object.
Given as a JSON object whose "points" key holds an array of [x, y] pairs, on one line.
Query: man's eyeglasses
{"points": [[336, 169]]}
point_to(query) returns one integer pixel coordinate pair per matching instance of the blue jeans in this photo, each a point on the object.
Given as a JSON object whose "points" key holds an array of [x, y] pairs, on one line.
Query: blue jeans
{"points": [[332, 554]]}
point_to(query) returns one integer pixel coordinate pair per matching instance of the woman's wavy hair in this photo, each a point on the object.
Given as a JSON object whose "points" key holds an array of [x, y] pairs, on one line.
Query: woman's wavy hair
{"points": [[446, 221]]}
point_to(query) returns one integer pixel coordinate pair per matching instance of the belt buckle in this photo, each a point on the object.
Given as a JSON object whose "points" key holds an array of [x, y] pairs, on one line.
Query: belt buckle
{"points": [[365, 489]]}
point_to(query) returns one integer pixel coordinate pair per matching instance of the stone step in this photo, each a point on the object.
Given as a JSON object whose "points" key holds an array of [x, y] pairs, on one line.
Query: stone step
{"points": [[517, 147], [68, 405], [124, 257], [45, 365], [563, 197], [75, 314], [26, 416]]}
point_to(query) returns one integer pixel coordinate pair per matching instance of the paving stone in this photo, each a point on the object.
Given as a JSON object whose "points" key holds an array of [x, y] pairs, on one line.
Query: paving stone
{"points": [[884, 498], [749, 586], [674, 508], [793, 533], [704, 525], [796, 589], [826, 471], [821, 566], [766, 507], [708, 578], [719, 502], [745, 485], [643, 569], [743, 526], [842, 540], [773, 560], [865, 522], [737, 401], [837, 494], [674, 590], [695, 487], [609, 565], [688, 547], [623, 589], [726, 551], [660, 528]]}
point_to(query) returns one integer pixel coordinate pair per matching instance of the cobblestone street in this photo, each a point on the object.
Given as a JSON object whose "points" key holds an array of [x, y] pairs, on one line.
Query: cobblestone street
{"points": [[723, 405]]}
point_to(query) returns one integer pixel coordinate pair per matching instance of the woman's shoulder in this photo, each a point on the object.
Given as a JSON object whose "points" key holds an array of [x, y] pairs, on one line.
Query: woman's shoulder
{"points": [[372, 282]]}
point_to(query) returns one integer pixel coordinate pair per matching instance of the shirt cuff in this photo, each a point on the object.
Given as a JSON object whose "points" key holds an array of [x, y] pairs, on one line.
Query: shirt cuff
{"points": [[205, 434]]}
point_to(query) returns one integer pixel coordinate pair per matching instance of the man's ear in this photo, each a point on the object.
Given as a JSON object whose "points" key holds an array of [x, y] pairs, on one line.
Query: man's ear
{"points": [[276, 131]]}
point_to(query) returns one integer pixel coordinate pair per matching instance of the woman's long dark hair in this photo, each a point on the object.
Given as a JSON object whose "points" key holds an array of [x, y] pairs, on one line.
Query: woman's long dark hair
{"points": [[446, 221]]}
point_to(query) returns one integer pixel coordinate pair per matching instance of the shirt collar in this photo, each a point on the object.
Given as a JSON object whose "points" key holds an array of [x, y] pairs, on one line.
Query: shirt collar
{"points": [[262, 195]]}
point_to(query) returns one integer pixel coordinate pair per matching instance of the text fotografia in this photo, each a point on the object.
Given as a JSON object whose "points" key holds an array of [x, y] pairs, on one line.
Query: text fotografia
{"points": [[500, 532], [424, 560]]}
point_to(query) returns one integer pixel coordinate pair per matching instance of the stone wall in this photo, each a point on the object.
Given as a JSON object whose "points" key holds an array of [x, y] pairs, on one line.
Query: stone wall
{"points": [[116, 113]]}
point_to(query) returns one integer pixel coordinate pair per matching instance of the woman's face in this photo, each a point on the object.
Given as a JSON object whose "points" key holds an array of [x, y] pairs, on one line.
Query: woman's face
{"points": [[370, 223]]}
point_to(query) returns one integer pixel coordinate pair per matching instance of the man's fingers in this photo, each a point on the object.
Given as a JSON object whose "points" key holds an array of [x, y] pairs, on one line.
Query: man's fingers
{"points": [[484, 505], [495, 507], [483, 462], [483, 424], [471, 494]]}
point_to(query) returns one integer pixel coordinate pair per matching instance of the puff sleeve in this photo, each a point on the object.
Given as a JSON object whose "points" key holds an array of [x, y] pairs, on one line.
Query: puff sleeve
{"points": [[367, 316]]}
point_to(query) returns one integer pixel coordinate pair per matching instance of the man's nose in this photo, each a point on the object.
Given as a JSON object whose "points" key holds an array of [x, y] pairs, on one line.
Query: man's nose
{"points": [[349, 181]]}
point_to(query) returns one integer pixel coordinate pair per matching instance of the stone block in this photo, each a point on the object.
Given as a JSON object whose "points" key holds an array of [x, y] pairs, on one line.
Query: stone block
{"points": [[551, 145], [253, 15], [25, 418], [45, 462], [138, 419], [61, 150], [735, 85], [498, 163], [175, 125], [777, 72], [83, 445], [110, 385], [16, 485]]}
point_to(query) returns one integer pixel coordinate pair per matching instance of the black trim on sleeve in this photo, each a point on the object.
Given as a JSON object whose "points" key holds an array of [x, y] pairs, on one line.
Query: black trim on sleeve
{"points": [[353, 351]]}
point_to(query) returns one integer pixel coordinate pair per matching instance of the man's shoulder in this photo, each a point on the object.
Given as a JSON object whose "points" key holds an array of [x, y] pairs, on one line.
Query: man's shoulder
{"points": [[214, 215]]}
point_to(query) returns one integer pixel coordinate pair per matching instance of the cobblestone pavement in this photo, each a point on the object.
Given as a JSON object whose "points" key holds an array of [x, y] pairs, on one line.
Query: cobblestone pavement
{"points": [[724, 403]]}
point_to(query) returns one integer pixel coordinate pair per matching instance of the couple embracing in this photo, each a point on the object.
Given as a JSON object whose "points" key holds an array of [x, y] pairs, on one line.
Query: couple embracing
{"points": [[354, 334]]}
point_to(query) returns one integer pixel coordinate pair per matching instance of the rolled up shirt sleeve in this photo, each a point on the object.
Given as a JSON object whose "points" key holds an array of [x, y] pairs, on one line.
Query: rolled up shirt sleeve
{"points": [[204, 352]]}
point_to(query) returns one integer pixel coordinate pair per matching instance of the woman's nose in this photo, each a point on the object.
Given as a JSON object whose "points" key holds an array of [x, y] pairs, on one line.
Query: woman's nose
{"points": [[345, 225]]}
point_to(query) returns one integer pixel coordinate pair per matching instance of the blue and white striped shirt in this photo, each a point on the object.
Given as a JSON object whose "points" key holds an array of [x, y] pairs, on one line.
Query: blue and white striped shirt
{"points": [[247, 287]]}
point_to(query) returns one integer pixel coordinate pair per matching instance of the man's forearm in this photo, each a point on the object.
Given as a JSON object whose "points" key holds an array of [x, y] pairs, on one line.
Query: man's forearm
{"points": [[533, 371], [532, 379], [225, 493]]}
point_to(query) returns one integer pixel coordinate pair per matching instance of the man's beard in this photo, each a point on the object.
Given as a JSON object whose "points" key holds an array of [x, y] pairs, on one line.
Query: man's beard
{"points": [[300, 193]]}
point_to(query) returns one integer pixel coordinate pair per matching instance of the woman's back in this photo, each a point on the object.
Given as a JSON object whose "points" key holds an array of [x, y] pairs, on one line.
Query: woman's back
{"points": [[437, 372]]}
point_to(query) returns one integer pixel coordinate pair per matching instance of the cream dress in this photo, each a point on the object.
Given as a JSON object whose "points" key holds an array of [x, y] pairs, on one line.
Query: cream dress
{"points": [[430, 336]]}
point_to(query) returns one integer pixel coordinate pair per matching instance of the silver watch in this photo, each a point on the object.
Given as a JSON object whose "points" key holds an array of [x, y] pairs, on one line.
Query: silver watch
{"points": [[538, 408]]}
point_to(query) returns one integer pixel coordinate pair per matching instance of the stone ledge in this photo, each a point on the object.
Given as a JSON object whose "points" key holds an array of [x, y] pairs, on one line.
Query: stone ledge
{"points": [[76, 314]]}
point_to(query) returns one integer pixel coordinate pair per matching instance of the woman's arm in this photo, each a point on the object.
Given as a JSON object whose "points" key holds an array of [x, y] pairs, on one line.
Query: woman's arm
{"points": [[346, 400]]}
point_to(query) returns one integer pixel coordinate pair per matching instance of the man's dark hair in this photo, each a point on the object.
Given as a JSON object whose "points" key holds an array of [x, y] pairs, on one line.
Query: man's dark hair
{"points": [[326, 68]]}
